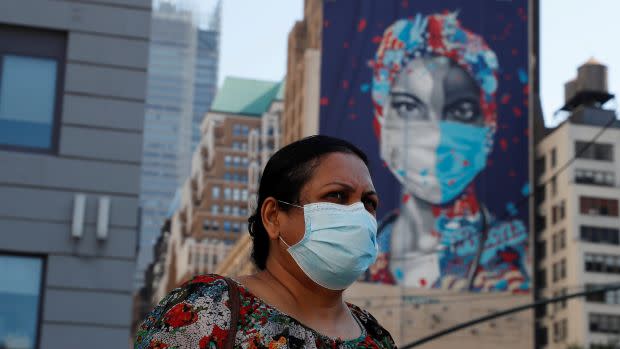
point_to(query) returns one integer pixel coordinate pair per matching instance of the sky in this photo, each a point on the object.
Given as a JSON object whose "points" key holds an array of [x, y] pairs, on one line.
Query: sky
{"points": [[254, 42]]}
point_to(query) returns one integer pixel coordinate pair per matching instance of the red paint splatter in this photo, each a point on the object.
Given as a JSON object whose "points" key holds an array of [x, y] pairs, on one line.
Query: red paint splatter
{"points": [[406, 198], [451, 182], [505, 98], [423, 282], [507, 77], [353, 116], [376, 39], [325, 23], [351, 102], [503, 143], [517, 111], [526, 89], [376, 126], [515, 52], [405, 3], [512, 173], [465, 163], [345, 44], [361, 25], [324, 101], [345, 84]]}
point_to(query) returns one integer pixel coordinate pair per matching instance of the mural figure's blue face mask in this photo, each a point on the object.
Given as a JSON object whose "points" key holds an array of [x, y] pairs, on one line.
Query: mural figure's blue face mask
{"points": [[433, 137]]}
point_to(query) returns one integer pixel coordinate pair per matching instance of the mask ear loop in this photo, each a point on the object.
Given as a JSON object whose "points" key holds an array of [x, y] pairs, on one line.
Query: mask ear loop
{"points": [[280, 235]]}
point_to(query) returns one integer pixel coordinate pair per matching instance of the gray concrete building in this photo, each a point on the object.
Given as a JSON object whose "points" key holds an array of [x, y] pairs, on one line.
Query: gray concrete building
{"points": [[72, 92]]}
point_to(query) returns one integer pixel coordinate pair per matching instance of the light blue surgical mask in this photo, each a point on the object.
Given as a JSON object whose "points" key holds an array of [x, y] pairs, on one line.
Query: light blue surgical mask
{"points": [[339, 243]]}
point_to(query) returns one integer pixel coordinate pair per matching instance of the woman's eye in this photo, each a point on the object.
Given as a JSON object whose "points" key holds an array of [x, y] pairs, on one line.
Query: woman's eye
{"points": [[336, 195], [371, 205], [465, 111], [408, 108]]}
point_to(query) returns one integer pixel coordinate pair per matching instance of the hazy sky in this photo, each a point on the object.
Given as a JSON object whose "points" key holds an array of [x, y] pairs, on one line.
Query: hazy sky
{"points": [[254, 40]]}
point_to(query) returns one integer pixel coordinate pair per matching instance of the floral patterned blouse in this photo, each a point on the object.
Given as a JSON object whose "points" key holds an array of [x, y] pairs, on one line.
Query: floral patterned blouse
{"points": [[197, 316]]}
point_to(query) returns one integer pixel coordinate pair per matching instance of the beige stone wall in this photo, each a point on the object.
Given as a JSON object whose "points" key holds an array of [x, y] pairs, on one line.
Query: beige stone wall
{"points": [[410, 314]]}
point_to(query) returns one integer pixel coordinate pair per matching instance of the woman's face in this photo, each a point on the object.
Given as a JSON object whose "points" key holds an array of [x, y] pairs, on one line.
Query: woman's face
{"points": [[339, 178], [434, 89], [433, 137]]}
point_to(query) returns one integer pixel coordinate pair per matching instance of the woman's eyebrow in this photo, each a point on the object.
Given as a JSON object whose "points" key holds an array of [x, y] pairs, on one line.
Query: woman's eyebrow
{"points": [[348, 187]]}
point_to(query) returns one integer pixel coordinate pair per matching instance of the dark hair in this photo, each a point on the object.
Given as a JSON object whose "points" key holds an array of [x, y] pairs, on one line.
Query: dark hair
{"points": [[286, 172]]}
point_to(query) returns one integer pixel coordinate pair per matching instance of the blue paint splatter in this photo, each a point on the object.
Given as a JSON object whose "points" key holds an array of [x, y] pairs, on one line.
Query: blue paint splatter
{"points": [[525, 190], [512, 209], [522, 76], [365, 88]]}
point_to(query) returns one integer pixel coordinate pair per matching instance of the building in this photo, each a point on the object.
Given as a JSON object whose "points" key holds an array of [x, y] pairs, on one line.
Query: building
{"points": [[577, 223], [183, 61], [303, 75], [213, 208], [73, 80]]}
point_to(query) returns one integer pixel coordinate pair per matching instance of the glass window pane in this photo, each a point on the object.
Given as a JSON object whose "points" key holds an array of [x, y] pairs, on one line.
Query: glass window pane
{"points": [[27, 92], [20, 282]]}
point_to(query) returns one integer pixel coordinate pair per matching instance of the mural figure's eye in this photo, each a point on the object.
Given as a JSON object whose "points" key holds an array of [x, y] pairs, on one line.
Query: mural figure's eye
{"points": [[462, 111], [408, 107]]}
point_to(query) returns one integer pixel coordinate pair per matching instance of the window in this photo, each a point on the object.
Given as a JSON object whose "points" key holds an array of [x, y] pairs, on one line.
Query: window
{"points": [[236, 145], [594, 151], [236, 177], [560, 330], [236, 130], [226, 210], [540, 165], [32, 65], [236, 227], [227, 176], [561, 239], [609, 297], [227, 226], [604, 323], [215, 209], [562, 269], [598, 206], [595, 177], [245, 130], [236, 161], [20, 297], [244, 195], [206, 225], [227, 194], [600, 235], [554, 159], [235, 211], [227, 160], [553, 186], [215, 192], [600, 263], [236, 195]]}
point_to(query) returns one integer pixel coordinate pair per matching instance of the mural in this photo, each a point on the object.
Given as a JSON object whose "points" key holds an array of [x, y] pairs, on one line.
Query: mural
{"points": [[439, 108]]}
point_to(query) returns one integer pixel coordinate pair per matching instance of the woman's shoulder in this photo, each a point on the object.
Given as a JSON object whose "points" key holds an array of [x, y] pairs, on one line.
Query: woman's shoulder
{"points": [[190, 316], [374, 330]]}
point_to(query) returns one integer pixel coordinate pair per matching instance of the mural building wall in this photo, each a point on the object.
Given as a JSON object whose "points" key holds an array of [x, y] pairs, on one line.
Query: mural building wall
{"points": [[435, 93]]}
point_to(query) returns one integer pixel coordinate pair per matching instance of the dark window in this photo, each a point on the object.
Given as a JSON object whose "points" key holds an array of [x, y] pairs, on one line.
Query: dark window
{"points": [[595, 177], [32, 69], [554, 159], [609, 297], [598, 206], [600, 235], [600, 263], [20, 297], [604, 323], [594, 151], [553, 186], [541, 249]]}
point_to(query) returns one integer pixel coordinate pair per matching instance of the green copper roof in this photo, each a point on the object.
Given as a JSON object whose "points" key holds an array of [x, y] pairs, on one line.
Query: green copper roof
{"points": [[245, 96], [280, 94]]}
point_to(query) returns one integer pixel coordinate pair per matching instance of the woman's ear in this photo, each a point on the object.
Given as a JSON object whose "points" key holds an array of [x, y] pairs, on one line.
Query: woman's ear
{"points": [[269, 215]]}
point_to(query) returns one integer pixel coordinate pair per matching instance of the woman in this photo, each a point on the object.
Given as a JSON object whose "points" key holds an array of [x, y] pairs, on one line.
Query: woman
{"points": [[434, 85], [314, 233]]}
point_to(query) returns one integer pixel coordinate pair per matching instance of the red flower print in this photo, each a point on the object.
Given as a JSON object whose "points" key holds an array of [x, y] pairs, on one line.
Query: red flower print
{"points": [[157, 345], [180, 315], [202, 279]]}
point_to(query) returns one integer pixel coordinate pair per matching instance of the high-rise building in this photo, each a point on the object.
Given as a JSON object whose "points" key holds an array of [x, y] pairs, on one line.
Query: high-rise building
{"points": [[577, 218], [303, 75], [213, 208], [182, 76], [72, 95]]}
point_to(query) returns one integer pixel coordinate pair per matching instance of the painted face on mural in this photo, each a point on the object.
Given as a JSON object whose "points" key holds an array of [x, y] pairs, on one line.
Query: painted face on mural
{"points": [[433, 136]]}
